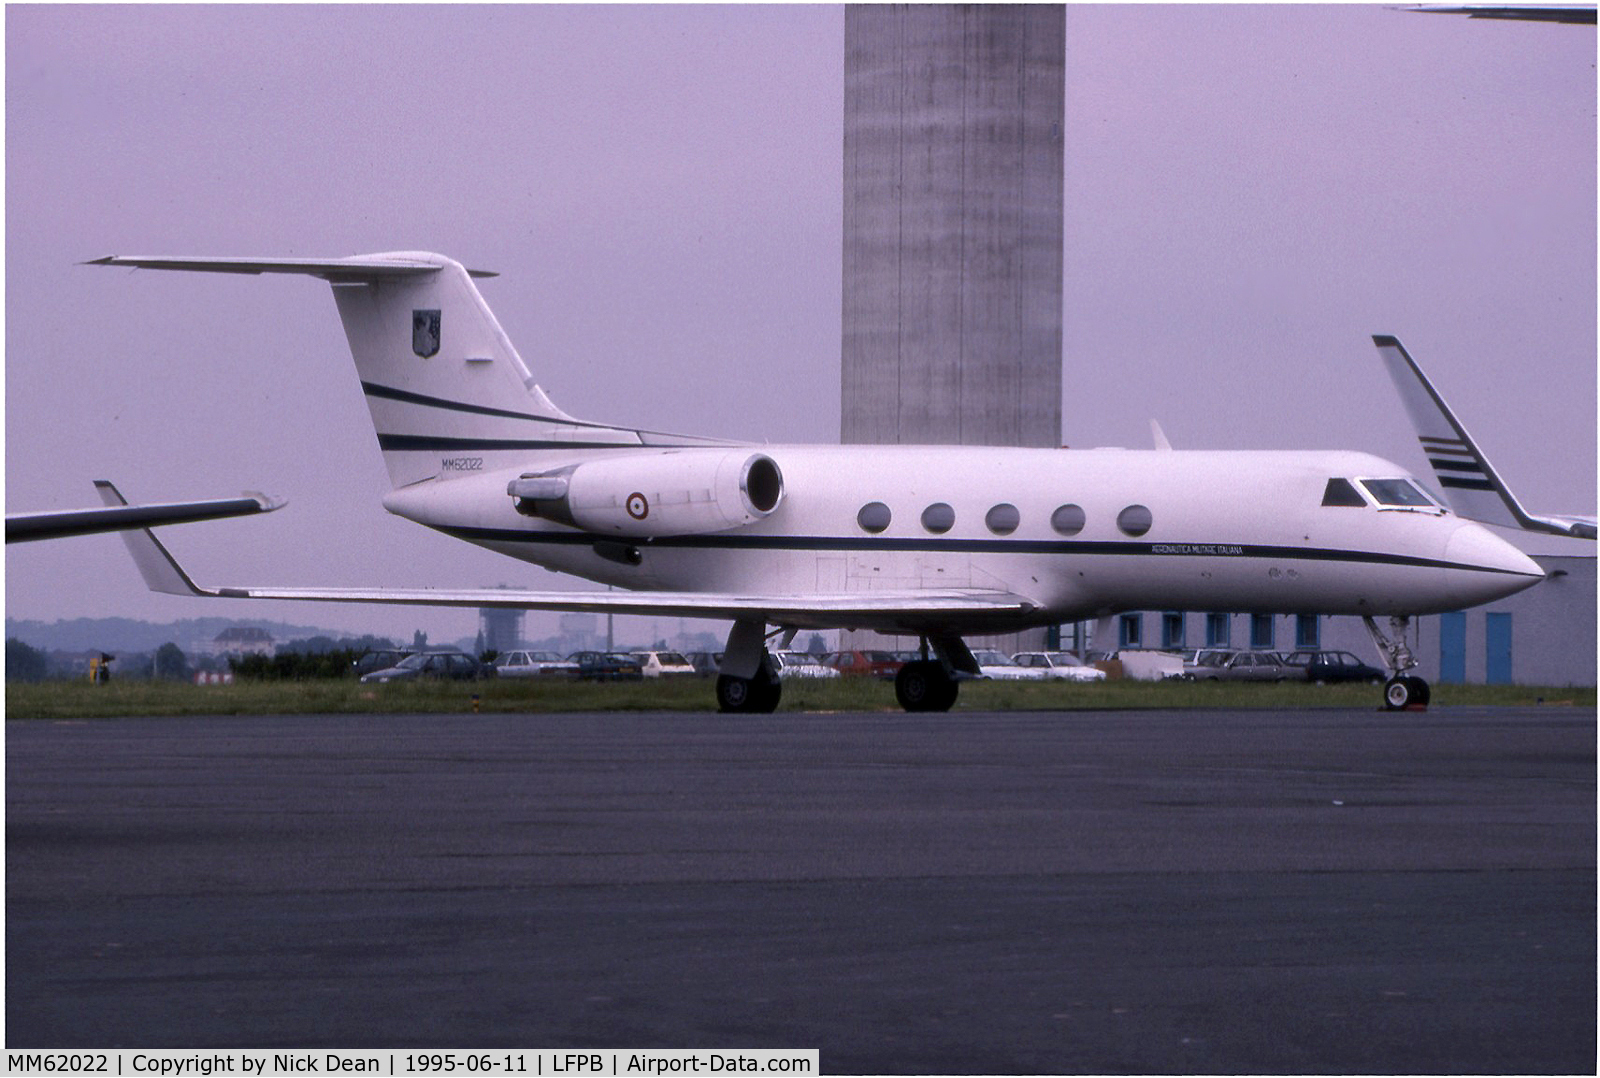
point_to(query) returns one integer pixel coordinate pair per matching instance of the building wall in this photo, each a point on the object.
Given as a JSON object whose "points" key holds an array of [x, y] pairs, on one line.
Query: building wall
{"points": [[1551, 628], [953, 224]]}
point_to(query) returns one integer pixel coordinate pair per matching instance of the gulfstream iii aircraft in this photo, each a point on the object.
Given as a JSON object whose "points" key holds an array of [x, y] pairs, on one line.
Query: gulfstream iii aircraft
{"points": [[939, 542]]}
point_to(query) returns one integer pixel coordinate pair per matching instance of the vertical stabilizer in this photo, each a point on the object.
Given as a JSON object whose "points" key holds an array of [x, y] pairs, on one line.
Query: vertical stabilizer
{"points": [[447, 392]]}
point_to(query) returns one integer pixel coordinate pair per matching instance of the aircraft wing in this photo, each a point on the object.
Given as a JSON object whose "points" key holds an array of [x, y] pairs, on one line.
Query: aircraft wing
{"points": [[1466, 478], [1577, 14], [119, 515], [870, 609]]}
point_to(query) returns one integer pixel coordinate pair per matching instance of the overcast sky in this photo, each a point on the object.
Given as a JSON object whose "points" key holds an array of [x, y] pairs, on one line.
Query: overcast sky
{"points": [[1251, 193]]}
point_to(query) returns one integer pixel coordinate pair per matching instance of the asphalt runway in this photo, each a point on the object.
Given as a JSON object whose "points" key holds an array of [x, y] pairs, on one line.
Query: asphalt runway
{"points": [[1100, 892]]}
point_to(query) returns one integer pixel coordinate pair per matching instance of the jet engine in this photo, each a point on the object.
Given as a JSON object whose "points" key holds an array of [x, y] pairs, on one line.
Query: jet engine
{"points": [[674, 492]]}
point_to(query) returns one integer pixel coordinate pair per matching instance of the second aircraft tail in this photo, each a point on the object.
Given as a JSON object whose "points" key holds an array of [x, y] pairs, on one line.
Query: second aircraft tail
{"points": [[1467, 479]]}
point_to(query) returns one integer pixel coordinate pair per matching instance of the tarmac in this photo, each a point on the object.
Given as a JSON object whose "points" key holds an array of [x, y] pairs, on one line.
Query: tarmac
{"points": [[1317, 891]]}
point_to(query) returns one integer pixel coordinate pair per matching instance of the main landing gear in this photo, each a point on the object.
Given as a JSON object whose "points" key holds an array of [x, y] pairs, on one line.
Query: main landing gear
{"points": [[931, 684], [923, 685], [758, 695], [748, 683], [1402, 690]]}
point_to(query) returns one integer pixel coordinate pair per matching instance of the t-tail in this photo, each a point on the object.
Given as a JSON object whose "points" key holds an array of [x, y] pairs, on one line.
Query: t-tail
{"points": [[447, 391], [1465, 476]]}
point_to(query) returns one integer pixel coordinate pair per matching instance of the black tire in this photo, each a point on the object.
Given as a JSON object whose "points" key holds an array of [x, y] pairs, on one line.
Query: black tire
{"points": [[924, 686], [750, 696], [1403, 692]]}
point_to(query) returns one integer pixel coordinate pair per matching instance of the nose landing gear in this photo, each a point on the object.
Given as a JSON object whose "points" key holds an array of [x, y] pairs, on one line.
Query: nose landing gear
{"points": [[1402, 690]]}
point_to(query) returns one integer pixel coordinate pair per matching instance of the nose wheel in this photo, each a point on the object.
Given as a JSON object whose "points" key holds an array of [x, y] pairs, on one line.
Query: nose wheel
{"points": [[1402, 692]]}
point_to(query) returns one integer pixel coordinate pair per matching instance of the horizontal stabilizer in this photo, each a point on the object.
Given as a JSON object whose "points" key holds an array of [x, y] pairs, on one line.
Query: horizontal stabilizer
{"points": [[119, 515], [362, 267]]}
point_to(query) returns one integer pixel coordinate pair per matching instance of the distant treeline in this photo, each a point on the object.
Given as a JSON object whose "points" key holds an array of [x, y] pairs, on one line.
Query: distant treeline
{"points": [[302, 660], [313, 657]]}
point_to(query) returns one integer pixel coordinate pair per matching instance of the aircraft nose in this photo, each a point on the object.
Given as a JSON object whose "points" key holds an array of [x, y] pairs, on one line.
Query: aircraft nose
{"points": [[1486, 567]]}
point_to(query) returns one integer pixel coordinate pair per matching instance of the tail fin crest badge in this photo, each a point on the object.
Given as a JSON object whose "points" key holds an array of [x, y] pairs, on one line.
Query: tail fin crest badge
{"points": [[425, 333]]}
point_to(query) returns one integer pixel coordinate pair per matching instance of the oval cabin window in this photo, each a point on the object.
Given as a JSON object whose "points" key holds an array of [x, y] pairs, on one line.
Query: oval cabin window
{"points": [[1134, 520], [874, 517], [1068, 520]]}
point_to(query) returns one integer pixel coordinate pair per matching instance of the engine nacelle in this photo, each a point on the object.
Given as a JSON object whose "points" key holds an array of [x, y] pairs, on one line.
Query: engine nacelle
{"points": [[673, 492]]}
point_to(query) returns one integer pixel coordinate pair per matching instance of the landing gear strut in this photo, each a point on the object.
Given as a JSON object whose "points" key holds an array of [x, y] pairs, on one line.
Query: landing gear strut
{"points": [[750, 686], [1402, 690]]}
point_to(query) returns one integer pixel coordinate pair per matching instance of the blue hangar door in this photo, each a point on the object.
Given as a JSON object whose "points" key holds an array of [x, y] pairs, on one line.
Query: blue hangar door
{"points": [[1497, 634]]}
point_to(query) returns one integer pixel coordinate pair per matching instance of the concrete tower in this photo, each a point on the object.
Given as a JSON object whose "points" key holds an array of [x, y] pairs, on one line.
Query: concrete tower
{"points": [[953, 224]]}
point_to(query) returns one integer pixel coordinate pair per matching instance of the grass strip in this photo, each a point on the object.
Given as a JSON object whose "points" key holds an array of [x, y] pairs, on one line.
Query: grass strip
{"points": [[82, 700]]}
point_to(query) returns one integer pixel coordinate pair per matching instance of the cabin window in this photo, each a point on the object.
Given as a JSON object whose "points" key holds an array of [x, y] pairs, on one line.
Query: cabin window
{"points": [[874, 517], [1343, 492], [939, 518], [1134, 520], [1003, 519], [1396, 492], [1068, 520]]}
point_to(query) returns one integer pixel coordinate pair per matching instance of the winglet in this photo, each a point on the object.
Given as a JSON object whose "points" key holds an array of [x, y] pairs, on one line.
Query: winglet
{"points": [[160, 569], [1466, 478]]}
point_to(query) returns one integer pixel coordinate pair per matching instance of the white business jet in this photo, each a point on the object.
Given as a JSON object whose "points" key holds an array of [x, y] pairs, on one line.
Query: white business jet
{"points": [[935, 541]]}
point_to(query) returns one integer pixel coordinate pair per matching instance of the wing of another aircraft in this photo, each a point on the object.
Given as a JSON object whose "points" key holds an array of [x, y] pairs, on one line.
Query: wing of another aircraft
{"points": [[1575, 14], [1468, 481], [119, 515], [869, 609]]}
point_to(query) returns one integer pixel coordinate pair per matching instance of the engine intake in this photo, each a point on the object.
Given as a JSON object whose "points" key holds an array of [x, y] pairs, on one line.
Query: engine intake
{"points": [[671, 492]]}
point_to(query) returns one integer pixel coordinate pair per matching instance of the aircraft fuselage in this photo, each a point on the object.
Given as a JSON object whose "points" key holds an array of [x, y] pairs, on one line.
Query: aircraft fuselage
{"points": [[1080, 533]]}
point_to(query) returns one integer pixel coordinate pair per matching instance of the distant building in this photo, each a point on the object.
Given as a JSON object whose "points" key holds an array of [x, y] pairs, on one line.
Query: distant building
{"points": [[953, 229], [243, 640], [953, 223], [501, 628]]}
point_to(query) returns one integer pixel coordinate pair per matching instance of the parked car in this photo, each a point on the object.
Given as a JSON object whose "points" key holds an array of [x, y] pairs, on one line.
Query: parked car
{"points": [[1328, 666], [1197, 657], [1243, 666], [451, 665], [534, 664], [878, 664], [998, 666], [655, 664], [1059, 665], [606, 666], [793, 664], [378, 659]]}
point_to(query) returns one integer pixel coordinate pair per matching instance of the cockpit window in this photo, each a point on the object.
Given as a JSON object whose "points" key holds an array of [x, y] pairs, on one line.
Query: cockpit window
{"points": [[1396, 492], [1341, 492]]}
